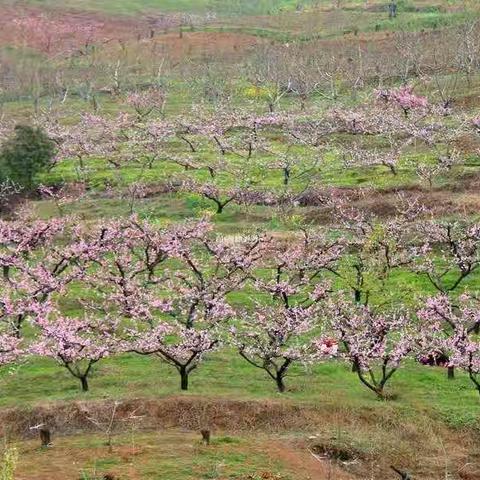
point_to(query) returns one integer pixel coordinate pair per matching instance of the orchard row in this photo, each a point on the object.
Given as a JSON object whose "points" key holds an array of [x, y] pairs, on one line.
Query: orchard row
{"points": [[78, 294], [237, 156]]}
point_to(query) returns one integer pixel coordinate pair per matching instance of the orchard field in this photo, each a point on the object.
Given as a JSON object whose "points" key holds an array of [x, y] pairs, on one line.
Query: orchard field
{"points": [[240, 239]]}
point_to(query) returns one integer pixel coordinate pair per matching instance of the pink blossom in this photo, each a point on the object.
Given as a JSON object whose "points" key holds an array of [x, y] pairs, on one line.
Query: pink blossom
{"points": [[404, 98], [374, 343], [272, 338]]}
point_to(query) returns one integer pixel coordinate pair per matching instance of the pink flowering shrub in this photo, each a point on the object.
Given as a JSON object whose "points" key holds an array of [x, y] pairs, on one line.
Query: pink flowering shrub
{"points": [[272, 338], [404, 98], [451, 331], [375, 344]]}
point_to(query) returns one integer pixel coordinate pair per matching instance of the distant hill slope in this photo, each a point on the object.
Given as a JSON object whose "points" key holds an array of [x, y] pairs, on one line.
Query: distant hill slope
{"points": [[235, 7]]}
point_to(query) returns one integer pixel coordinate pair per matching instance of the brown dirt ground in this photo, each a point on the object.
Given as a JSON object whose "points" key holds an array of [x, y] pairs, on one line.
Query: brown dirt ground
{"points": [[375, 439], [194, 44], [301, 460]]}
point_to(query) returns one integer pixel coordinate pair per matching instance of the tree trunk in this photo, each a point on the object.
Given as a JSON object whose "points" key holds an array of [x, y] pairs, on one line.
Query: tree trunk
{"points": [[280, 384], [183, 379], [84, 384], [380, 393], [451, 373], [358, 296], [18, 326], [377, 389]]}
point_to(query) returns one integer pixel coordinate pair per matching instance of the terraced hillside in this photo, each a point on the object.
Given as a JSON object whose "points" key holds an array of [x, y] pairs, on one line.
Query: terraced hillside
{"points": [[256, 219]]}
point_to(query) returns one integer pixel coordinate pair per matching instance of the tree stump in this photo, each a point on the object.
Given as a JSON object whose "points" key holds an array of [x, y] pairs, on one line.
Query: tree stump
{"points": [[45, 437], [205, 436]]}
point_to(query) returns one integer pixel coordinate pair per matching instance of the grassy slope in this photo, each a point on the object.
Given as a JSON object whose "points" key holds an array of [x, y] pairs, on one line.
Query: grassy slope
{"points": [[38, 375], [252, 16], [131, 7], [415, 388]]}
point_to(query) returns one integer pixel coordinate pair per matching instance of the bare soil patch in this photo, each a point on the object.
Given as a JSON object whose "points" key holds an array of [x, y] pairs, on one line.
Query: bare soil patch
{"points": [[199, 43]]}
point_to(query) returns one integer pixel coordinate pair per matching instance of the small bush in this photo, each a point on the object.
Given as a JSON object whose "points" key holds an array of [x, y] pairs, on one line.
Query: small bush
{"points": [[29, 152]]}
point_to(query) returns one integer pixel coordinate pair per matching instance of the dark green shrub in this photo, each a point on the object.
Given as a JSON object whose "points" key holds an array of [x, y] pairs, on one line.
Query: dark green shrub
{"points": [[29, 152]]}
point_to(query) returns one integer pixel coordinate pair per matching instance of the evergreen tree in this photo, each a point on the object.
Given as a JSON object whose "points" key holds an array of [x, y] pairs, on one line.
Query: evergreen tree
{"points": [[24, 155]]}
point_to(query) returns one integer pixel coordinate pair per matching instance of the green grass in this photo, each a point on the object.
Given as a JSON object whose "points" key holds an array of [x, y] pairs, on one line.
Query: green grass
{"points": [[224, 374], [132, 7], [168, 455], [414, 21]]}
